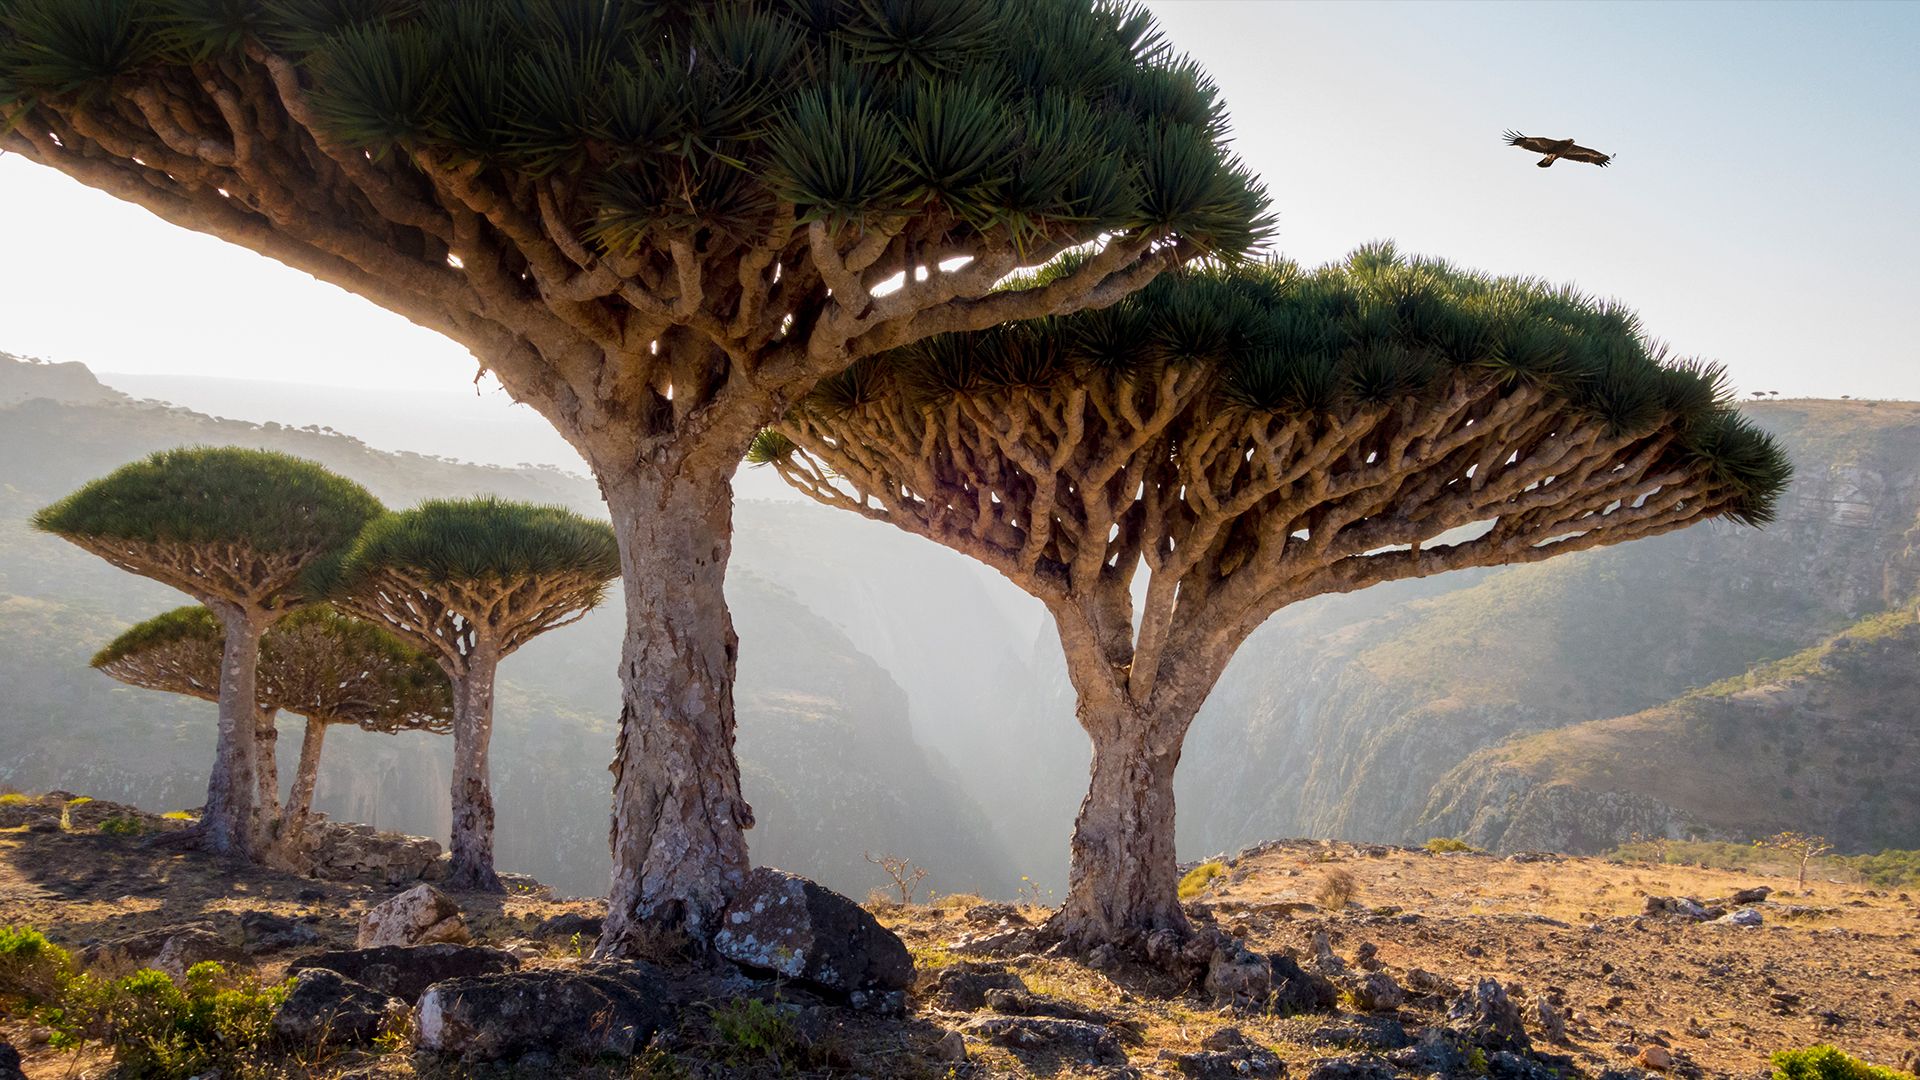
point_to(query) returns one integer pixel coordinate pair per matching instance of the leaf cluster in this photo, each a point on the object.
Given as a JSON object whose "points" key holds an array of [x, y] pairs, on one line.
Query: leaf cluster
{"points": [[474, 541], [1023, 117], [317, 662], [268, 502], [1374, 330]]}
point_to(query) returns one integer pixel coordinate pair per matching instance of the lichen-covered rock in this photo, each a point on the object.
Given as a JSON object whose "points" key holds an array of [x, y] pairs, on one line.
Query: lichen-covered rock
{"points": [[1236, 975], [195, 946], [1082, 1040], [784, 923], [405, 971], [325, 1008], [1485, 1016], [338, 851], [603, 1009], [420, 916]]}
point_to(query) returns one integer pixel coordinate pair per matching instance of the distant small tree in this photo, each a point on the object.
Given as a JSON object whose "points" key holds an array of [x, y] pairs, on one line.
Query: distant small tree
{"points": [[1803, 848], [317, 663], [234, 529], [1167, 473], [470, 581], [901, 873]]}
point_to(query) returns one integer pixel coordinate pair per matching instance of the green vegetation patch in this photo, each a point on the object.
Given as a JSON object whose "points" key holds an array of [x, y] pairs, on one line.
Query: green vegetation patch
{"points": [[214, 495], [1829, 1063], [1197, 880], [1448, 845]]}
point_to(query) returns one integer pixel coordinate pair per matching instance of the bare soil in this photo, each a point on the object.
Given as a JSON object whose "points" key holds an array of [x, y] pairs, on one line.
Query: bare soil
{"points": [[1833, 963]]}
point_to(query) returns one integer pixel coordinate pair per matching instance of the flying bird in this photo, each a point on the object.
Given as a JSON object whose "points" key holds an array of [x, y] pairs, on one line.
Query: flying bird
{"points": [[1555, 149]]}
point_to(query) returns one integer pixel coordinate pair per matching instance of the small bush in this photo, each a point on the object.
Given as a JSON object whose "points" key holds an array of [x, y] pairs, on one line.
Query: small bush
{"points": [[159, 1030], [14, 798], [751, 1031], [1828, 1063], [32, 969], [1337, 889], [1448, 845], [122, 826], [177, 815], [1199, 878]]}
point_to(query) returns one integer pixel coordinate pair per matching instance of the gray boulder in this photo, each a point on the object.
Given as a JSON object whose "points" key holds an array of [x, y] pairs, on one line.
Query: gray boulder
{"points": [[786, 924], [598, 1010], [350, 852], [1485, 1016], [420, 916], [1043, 1034], [1228, 1055], [325, 1008], [405, 971]]}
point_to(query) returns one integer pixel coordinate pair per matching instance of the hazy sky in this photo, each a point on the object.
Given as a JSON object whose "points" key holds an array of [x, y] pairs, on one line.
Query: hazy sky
{"points": [[1762, 210]]}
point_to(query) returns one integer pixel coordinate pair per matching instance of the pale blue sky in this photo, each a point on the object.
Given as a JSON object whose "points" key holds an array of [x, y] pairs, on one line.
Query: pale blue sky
{"points": [[1762, 210]]}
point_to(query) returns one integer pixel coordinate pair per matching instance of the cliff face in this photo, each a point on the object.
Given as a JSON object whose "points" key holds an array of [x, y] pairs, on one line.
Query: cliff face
{"points": [[1820, 742], [1344, 715]]}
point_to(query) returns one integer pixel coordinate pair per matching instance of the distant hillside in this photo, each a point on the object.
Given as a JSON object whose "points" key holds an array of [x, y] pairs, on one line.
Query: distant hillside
{"points": [[1823, 741], [826, 741], [1342, 715]]}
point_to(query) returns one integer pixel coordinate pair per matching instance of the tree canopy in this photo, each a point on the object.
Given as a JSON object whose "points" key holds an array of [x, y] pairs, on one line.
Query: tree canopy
{"points": [[1249, 437], [473, 540], [317, 663], [270, 503]]}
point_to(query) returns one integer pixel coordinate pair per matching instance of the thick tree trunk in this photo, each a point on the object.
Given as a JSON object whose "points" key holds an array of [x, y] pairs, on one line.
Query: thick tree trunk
{"points": [[300, 799], [472, 845], [266, 766], [1124, 882], [679, 845], [232, 824]]}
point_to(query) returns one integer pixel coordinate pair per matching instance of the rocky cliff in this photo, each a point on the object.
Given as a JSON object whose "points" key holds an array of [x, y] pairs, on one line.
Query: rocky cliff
{"points": [[1344, 715]]}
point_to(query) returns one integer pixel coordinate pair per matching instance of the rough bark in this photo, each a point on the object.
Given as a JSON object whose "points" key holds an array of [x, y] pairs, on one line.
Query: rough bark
{"points": [[472, 840], [266, 765], [679, 821], [300, 799], [231, 824], [1124, 879]]}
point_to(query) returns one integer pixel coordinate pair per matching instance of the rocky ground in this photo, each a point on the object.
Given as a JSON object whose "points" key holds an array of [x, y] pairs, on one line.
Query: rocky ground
{"points": [[1359, 962]]}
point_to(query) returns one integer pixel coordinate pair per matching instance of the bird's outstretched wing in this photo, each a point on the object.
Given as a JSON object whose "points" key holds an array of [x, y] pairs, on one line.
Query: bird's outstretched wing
{"points": [[1586, 154], [1530, 142]]}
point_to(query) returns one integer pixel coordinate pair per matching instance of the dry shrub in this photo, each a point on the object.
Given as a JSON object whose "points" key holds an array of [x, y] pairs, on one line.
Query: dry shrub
{"points": [[1338, 888]]}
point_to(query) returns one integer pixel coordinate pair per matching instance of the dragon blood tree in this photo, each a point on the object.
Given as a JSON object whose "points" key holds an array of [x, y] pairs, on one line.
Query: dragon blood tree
{"points": [[236, 530], [317, 663], [1168, 472], [659, 225], [470, 581]]}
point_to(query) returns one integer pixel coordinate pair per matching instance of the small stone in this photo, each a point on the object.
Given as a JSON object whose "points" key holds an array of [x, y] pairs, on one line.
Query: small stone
{"points": [[1375, 992], [1743, 917], [268, 932], [1552, 1020], [1751, 896], [189, 947], [993, 913], [950, 1047], [1658, 1058], [963, 987], [422, 915], [1050, 1035], [1236, 975]]}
